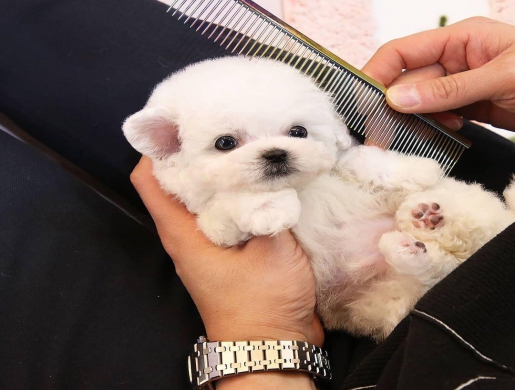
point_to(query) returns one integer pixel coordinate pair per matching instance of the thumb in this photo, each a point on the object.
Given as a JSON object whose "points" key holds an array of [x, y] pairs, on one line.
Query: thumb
{"points": [[443, 93]]}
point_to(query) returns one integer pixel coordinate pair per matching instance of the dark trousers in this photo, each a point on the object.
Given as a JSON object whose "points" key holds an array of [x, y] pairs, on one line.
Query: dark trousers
{"points": [[88, 298]]}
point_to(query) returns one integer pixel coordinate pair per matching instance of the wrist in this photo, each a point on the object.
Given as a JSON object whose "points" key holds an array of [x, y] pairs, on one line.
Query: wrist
{"points": [[268, 380], [234, 330], [252, 333]]}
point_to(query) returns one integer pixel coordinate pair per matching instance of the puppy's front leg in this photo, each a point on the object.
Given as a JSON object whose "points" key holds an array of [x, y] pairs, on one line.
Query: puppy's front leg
{"points": [[232, 218], [217, 224], [268, 213]]}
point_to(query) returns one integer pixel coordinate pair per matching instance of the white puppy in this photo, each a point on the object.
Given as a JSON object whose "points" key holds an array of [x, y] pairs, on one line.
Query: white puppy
{"points": [[252, 148]]}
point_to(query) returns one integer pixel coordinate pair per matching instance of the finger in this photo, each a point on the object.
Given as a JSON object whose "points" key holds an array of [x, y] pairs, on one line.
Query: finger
{"points": [[283, 242], [421, 74], [450, 120], [158, 203], [443, 93], [369, 142], [487, 112], [448, 46], [409, 76], [385, 138], [176, 226], [412, 52]]}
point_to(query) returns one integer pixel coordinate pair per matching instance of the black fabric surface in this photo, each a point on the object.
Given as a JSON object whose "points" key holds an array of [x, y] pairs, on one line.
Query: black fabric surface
{"points": [[88, 298], [490, 160], [483, 301], [72, 71]]}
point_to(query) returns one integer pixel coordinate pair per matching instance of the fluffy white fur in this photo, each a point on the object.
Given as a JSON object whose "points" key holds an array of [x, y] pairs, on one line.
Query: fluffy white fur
{"points": [[380, 228]]}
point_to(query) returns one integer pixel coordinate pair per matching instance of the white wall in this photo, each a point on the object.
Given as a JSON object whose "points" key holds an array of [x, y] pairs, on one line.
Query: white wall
{"points": [[273, 6], [399, 18]]}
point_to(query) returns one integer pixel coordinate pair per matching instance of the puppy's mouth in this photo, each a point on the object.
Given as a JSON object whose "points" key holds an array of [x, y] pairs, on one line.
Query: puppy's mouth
{"points": [[277, 163], [278, 170]]}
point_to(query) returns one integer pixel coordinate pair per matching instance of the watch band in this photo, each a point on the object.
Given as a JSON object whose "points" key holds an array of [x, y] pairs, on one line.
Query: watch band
{"points": [[214, 360]]}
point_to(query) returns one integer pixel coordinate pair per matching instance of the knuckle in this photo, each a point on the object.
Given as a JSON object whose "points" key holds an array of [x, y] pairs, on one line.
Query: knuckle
{"points": [[478, 19], [509, 75], [136, 178], [390, 47], [446, 87]]}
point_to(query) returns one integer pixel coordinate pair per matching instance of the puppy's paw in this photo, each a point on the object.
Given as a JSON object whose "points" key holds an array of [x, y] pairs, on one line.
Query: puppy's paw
{"points": [[271, 213], [363, 164], [221, 231], [379, 169], [404, 254], [427, 216]]}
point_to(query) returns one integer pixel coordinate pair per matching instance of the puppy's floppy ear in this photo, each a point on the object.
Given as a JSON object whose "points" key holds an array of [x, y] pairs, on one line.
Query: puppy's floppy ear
{"points": [[153, 132]]}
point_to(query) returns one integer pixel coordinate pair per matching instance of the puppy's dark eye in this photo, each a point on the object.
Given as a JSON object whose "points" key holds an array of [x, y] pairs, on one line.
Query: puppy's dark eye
{"points": [[298, 132], [225, 143]]}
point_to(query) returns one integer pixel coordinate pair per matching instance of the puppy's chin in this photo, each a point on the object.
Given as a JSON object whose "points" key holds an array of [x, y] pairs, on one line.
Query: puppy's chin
{"points": [[278, 171]]}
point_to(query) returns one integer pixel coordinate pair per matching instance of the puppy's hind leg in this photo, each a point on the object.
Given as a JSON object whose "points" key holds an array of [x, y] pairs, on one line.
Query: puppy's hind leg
{"points": [[404, 255], [425, 262], [383, 305]]}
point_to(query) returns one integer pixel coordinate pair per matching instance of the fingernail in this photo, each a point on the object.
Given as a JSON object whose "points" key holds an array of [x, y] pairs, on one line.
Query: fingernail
{"points": [[405, 96], [456, 124]]}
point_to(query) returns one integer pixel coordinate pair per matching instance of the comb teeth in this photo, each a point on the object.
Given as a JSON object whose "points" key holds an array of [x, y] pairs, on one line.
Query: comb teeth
{"points": [[244, 28]]}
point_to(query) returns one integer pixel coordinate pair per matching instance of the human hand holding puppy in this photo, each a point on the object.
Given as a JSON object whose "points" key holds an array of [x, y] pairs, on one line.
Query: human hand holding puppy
{"points": [[261, 290]]}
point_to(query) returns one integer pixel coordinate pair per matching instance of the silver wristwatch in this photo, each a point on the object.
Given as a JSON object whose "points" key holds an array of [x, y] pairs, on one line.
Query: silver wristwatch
{"points": [[213, 360]]}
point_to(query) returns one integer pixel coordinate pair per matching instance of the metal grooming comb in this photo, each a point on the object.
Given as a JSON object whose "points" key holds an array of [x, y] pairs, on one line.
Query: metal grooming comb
{"points": [[244, 28]]}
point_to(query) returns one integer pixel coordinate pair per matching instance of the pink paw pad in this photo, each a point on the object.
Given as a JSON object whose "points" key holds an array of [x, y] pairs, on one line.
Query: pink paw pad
{"points": [[415, 247], [428, 216]]}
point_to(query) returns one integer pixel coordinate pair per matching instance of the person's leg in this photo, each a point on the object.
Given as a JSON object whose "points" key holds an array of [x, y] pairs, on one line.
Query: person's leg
{"points": [[89, 298], [490, 160]]}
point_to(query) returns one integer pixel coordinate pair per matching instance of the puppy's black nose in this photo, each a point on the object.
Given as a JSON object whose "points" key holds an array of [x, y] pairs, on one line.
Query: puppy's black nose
{"points": [[276, 155]]}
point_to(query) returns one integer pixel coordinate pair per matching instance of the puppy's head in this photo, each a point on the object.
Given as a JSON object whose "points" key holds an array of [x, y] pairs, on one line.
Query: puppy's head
{"points": [[237, 124]]}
